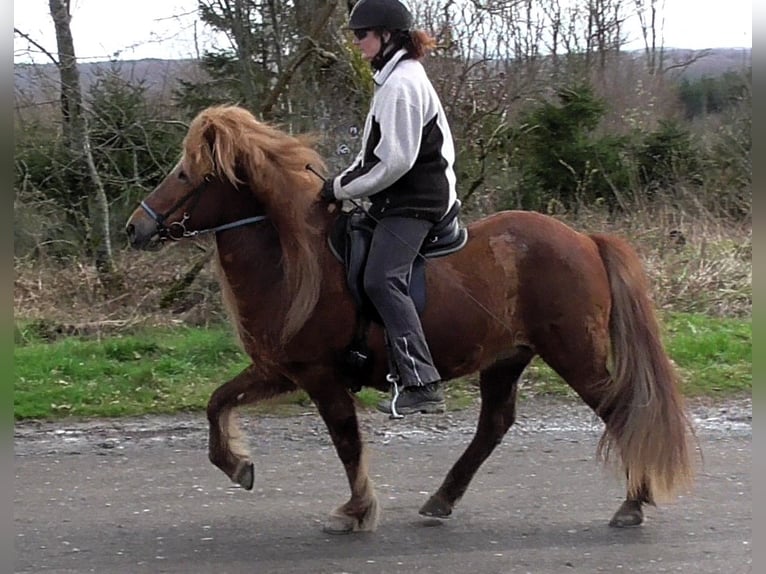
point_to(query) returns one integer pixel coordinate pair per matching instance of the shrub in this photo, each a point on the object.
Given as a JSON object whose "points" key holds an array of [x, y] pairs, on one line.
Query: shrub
{"points": [[559, 158], [666, 156]]}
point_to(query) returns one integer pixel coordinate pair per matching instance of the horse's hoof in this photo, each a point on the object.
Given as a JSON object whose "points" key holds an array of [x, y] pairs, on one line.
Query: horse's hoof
{"points": [[244, 475], [628, 515], [339, 524], [436, 508]]}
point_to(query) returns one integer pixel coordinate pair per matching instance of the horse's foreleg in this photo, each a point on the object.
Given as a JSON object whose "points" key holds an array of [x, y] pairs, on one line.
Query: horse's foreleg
{"points": [[227, 448], [498, 385], [361, 512]]}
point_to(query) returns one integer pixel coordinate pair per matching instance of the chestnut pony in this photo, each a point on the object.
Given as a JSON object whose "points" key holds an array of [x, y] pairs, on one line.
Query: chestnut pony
{"points": [[524, 285]]}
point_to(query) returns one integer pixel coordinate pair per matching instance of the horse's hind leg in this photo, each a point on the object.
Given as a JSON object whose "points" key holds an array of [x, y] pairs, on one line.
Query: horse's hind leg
{"points": [[587, 374], [227, 449], [361, 512], [498, 384], [631, 511], [592, 391]]}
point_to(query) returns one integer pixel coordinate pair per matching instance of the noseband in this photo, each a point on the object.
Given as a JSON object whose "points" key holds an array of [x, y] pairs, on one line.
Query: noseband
{"points": [[177, 229]]}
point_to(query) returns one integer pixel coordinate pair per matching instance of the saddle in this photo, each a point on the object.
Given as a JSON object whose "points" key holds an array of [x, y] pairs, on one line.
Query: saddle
{"points": [[350, 239]]}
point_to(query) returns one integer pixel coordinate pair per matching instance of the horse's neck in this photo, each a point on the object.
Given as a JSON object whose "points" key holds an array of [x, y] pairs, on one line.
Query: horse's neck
{"points": [[253, 252], [251, 263], [279, 323], [251, 271]]}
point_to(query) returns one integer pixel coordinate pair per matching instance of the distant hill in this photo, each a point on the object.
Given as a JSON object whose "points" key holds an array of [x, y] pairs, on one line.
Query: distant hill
{"points": [[712, 62], [35, 83]]}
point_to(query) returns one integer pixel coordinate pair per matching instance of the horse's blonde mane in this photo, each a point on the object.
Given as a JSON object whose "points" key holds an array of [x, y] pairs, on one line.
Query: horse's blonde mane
{"points": [[231, 143]]}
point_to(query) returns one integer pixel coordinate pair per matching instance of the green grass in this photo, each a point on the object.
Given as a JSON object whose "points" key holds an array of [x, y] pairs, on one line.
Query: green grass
{"points": [[157, 371], [714, 356], [169, 370]]}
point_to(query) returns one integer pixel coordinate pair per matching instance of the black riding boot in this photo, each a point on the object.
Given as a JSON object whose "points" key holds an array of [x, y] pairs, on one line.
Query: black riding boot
{"points": [[428, 399]]}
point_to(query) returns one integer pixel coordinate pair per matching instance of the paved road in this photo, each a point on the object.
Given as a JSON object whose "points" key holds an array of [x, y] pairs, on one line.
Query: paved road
{"points": [[139, 496]]}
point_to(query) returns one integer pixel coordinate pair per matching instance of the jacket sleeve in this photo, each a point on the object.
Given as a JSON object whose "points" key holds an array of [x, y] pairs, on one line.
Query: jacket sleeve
{"points": [[399, 119]]}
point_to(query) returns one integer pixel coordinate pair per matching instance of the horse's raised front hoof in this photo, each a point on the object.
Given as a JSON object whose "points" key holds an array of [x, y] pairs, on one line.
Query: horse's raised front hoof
{"points": [[629, 514], [436, 508], [244, 475]]}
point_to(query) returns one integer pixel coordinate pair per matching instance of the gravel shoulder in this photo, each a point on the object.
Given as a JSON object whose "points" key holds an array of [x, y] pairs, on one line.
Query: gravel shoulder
{"points": [[535, 414]]}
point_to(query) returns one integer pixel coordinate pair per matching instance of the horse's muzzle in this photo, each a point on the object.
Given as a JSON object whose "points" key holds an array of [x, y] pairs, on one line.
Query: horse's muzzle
{"points": [[142, 232]]}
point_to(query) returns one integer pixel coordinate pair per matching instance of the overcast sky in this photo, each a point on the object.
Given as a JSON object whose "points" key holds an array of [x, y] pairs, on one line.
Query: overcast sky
{"points": [[104, 29]]}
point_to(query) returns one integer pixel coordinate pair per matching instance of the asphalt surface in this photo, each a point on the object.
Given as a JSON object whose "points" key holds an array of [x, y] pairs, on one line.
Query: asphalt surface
{"points": [[139, 496]]}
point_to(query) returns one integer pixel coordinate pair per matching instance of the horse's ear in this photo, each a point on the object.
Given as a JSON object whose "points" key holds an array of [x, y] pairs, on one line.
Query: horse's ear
{"points": [[212, 147], [208, 144], [208, 138], [199, 145], [223, 140], [218, 143]]}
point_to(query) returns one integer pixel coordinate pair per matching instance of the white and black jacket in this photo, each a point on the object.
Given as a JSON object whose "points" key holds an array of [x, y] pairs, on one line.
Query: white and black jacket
{"points": [[406, 162]]}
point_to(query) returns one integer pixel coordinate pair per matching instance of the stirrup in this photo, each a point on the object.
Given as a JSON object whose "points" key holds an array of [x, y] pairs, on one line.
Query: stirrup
{"points": [[394, 380]]}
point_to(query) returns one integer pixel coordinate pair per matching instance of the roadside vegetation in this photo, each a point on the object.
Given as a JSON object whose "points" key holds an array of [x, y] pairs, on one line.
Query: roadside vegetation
{"points": [[129, 354], [631, 143], [165, 370]]}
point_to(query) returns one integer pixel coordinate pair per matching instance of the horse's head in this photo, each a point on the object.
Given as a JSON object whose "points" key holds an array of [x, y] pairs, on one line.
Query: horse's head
{"points": [[202, 192], [233, 168], [181, 206]]}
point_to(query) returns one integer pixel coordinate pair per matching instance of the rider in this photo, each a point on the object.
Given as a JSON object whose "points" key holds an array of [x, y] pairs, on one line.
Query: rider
{"points": [[405, 167]]}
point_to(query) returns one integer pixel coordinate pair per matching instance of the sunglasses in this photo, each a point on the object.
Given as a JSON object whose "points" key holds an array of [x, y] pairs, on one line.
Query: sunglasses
{"points": [[360, 33]]}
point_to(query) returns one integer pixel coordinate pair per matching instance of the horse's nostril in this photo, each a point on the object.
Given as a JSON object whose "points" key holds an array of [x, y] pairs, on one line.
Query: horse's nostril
{"points": [[130, 229]]}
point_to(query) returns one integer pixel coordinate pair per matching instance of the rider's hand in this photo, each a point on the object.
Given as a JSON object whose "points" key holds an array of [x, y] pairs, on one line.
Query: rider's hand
{"points": [[328, 193]]}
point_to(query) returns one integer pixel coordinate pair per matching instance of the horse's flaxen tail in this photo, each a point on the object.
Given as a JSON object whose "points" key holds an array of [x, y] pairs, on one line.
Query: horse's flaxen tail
{"points": [[644, 410]]}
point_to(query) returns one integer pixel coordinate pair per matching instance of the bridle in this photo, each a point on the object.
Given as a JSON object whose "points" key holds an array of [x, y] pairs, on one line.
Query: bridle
{"points": [[177, 229]]}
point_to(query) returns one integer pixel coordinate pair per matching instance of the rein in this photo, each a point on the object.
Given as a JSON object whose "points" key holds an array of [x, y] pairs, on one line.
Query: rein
{"points": [[177, 230]]}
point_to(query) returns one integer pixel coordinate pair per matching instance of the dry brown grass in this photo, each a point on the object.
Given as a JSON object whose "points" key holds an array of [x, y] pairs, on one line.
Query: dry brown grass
{"points": [[70, 294], [697, 264]]}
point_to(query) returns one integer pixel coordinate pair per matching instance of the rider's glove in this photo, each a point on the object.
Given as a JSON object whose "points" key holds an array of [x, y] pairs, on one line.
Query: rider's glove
{"points": [[328, 193]]}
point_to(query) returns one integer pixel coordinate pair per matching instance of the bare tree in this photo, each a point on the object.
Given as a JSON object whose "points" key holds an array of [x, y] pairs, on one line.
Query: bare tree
{"points": [[75, 133], [308, 45], [605, 20], [270, 41], [649, 13]]}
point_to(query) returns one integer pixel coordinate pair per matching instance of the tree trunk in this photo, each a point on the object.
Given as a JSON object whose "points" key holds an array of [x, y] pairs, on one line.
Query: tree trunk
{"points": [[77, 141], [306, 46]]}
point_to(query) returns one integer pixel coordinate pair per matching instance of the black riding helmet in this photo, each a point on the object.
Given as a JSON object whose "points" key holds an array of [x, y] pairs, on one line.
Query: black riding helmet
{"points": [[380, 14]]}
